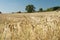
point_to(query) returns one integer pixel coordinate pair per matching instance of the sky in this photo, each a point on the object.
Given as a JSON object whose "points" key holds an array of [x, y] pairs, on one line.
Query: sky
{"points": [[20, 5]]}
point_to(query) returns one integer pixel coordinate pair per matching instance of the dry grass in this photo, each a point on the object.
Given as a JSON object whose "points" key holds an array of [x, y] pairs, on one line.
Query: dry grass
{"points": [[38, 26]]}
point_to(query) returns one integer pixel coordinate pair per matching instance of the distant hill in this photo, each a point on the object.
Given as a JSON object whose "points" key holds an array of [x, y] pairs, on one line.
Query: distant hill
{"points": [[54, 8]]}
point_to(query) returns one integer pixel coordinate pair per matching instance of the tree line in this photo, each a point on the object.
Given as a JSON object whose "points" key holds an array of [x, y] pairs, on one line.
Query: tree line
{"points": [[31, 8]]}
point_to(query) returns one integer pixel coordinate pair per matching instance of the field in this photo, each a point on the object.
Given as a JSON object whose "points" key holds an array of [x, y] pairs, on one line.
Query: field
{"points": [[30, 26]]}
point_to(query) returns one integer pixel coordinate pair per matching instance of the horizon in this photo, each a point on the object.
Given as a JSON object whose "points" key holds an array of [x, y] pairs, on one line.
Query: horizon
{"points": [[19, 5]]}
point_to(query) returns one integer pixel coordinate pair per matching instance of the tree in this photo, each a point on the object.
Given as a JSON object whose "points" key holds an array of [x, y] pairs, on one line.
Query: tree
{"points": [[30, 8], [0, 12], [41, 9]]}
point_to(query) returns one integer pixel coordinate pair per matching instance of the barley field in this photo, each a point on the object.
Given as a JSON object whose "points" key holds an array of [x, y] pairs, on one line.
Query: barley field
{"points": [[30, 26]]}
